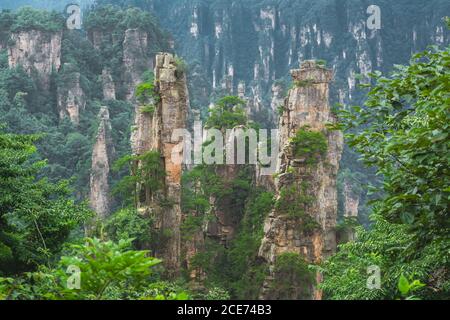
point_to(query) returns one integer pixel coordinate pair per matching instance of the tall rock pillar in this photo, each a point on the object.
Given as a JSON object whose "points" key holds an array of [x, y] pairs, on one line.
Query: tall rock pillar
{"points": [[300, 230], [153, 132], [101, 162]]}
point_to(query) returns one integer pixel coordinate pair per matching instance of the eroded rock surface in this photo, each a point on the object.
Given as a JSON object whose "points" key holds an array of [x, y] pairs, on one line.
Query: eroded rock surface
{"points": [[312, 235], [100, 200], [37, 52]]}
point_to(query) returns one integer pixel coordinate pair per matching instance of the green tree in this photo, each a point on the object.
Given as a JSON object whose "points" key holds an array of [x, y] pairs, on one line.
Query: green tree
{"points": [[405, 127], [36, 216], [227, 113], [107, 270]]}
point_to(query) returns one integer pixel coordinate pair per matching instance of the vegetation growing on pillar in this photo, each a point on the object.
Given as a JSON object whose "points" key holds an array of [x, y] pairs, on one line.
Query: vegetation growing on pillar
{"points": [[228, 113], [28, 18], [182, 66], [292, 277], [147, 96], [294, 202], [146, 176], [309, 145], [237, 267], [303, 83]]}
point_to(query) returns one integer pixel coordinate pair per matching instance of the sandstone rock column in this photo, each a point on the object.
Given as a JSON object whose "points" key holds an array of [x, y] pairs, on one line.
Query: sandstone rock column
{"points": [[109, 88], [101, 161], [71, 99], [153, 132], [311, 235]]}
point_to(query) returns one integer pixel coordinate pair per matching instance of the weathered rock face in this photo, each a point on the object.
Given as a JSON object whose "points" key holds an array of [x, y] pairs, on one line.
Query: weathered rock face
{"points": [[136, 59], [351, 201], [277, 97], [305, 106], [109, 88], [71, 99], [260, 41], [223, 226], [154, 132], [38, 52], [101, 161]]}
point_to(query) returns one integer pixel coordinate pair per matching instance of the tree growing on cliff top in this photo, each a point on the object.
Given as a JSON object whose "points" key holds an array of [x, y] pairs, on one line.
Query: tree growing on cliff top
{"points": [[227, 113]]}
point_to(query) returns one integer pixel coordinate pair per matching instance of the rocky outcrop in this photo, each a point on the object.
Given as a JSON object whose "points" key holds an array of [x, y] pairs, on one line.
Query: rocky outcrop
{"points": [[278, 95], [136, 59], [153, 132], [309, 231], [109, 88], [37, 52], [351, 201], [71, 99], [101, 162], [225, 223]]}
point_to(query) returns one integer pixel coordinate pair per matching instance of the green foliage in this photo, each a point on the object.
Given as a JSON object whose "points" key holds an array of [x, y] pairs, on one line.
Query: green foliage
{"points": [[129, 224], [148, 109], [247, 273], [407, 288], [237, 269], [190, 226], [292, 277], [145, 93], [110, 17], [303, 83], [321, 63], [405, 137], [106, 268], [36, 216], [227, 113], [391, 248], [280, 110], [146, 175], [310, 145], [182, 66], [27, 18], [198, 185], [217, 294], [294, 202]]}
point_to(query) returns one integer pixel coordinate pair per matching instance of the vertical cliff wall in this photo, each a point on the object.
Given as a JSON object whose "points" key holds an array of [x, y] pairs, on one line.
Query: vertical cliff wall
{"points": [[136, 59], [256, 42], [153, 132], [305, 215], [38, 52], [247, 46]]}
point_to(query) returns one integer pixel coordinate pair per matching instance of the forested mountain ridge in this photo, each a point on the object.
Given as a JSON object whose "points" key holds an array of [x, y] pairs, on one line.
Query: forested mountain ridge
{"points": [[224, 231]]}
